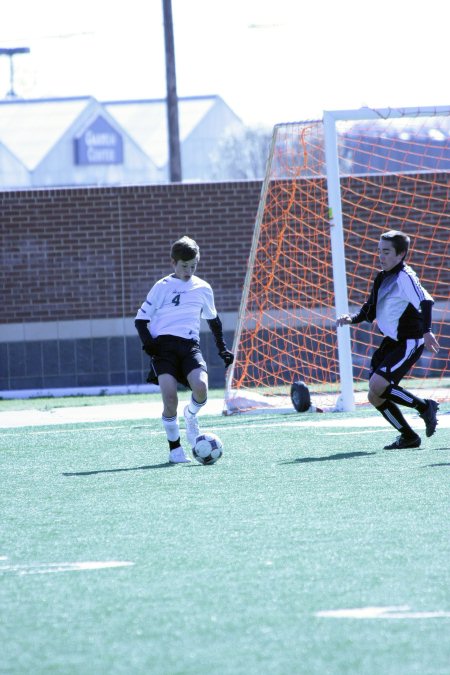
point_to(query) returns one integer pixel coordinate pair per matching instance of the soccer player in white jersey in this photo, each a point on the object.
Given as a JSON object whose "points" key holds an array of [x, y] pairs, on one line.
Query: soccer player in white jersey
{"points": [[402, 309], [168, 323]]}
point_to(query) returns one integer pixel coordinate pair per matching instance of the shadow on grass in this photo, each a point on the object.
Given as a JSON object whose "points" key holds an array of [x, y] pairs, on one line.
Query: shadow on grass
{"points": [[437, 464], [163, 465], [339, 455]]}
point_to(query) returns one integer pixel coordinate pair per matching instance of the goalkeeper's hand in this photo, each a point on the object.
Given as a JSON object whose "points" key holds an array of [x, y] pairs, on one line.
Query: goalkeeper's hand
{"points": [[227, 357], [150, 346]]}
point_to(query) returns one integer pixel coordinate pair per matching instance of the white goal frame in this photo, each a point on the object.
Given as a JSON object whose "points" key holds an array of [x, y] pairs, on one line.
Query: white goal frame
{"points": [[346, 399], [347, 402]]}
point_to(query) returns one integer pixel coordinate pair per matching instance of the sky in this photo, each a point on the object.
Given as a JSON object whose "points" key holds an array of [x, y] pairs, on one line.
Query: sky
{"points": [[271, 61]]}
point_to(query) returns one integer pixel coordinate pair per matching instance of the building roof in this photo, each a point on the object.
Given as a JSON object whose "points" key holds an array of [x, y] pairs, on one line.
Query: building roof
{"points": [[38, 137], [146, 120], [30, 128]]}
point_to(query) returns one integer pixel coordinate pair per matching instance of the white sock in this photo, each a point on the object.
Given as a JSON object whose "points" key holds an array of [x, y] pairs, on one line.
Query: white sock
{"points": [[172, 427], [194, 407]]}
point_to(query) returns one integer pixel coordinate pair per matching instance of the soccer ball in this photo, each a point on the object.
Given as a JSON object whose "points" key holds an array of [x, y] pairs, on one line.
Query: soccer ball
{"points": [[208, 448], [301, 400]]}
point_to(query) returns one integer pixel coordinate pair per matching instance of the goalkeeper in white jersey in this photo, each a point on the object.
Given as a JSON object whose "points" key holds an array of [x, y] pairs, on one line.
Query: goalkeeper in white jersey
{"points": [[168, 323], [402, 309]]}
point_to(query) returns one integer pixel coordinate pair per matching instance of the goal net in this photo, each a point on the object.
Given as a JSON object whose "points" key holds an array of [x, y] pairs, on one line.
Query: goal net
{"points": [[331, 188]]}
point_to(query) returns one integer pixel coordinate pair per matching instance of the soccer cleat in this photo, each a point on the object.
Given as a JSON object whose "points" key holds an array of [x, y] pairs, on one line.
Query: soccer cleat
{"points": [[178, 456], [402, 442], [192, 428], [429, 416]]}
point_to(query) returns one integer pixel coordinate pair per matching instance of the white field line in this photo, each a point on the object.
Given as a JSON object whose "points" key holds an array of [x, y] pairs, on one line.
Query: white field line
{"points": [[77, 430], [93, 413], [349, 423], [49, 568], [152, 410], [390, 612]]}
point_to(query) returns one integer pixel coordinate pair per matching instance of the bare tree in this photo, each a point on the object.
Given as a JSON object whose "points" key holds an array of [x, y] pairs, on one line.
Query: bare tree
{"points": [[243, 155]]}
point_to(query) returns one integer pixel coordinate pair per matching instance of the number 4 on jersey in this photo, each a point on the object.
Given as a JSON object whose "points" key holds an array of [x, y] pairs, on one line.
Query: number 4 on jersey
{"points": [[176, 300]]}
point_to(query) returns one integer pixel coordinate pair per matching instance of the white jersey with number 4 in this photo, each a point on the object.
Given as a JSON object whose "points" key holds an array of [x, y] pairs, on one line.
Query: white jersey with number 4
{"points": [[174, 307]]}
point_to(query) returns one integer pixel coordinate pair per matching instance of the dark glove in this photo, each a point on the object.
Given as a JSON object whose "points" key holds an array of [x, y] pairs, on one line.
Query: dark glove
{"points": [[227, 357], [150, 346]]}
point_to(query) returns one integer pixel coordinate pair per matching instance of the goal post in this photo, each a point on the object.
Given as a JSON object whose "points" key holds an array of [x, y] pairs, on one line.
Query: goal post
{"points": [[338, 261], [332, 186]]}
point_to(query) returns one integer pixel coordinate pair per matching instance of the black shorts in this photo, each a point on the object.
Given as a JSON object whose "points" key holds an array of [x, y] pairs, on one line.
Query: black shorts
{"points": [[394, 358], [176, 356]]}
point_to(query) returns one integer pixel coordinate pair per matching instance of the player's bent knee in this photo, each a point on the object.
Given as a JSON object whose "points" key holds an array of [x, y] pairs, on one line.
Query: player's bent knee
{"points": [[198, 382], [374, 398], [200, 391], [377, 386], [371, 397]]}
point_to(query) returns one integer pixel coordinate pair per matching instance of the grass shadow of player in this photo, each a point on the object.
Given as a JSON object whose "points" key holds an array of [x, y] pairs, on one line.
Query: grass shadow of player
{"points": [[162, 465], [329, 458], [438, 463]]}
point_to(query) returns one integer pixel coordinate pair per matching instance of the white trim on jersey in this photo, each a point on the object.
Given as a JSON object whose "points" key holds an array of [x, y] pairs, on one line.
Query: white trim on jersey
{"points": [[412, 287]]}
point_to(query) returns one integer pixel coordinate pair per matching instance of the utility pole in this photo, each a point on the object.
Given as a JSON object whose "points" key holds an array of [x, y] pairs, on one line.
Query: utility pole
{"points": [[12, 52], [172, 99]]}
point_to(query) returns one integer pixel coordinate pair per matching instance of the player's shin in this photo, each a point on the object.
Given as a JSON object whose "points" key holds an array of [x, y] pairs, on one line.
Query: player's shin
{"points": [[172, 429], [393, 415], [401, 396], [194, 406]]}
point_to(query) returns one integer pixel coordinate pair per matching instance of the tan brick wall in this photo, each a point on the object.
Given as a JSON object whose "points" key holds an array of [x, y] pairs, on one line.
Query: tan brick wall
{"points": [[77, 263], [93, 253]]}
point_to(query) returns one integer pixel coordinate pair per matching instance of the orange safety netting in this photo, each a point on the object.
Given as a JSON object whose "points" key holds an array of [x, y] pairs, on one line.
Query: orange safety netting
{"points": [[394, 174]]}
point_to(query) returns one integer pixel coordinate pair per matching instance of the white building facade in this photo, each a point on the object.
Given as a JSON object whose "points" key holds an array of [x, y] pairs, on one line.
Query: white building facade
{"points": [[80, 141]]}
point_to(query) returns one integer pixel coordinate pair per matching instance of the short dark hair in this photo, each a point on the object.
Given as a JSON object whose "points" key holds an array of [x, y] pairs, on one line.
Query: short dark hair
{"points": [[184, 249], [399, 241]]}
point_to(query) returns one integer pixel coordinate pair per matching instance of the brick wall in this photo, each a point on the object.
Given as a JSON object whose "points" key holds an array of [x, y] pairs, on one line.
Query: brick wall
{"points": [[92, 253], [72, 257]]}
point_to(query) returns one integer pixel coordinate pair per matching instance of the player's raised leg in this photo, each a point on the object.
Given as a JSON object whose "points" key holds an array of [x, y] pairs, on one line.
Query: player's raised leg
{"points": [[392, 414], [427, 408], [198, 381]]}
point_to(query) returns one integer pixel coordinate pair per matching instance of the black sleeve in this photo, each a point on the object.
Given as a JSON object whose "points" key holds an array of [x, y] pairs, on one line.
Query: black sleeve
{"points": [[143, 331], [425, 307], [149, 344], [216, 329], [368, 311]]}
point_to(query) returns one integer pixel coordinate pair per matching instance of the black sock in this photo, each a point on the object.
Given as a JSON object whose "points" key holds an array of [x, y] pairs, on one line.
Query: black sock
{"points": [[174, 444], [399, 395], [393, 415]]}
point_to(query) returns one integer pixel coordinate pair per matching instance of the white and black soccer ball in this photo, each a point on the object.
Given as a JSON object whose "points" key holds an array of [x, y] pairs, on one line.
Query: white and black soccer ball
{"points": [[208, 448]]}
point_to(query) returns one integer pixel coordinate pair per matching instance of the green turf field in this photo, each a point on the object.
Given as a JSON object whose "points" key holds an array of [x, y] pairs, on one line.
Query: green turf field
{"points": [[112, 561]]}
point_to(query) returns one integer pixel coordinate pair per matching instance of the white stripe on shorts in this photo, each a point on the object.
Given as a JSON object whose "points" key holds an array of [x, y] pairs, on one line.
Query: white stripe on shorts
{"points": [[411, 347]]}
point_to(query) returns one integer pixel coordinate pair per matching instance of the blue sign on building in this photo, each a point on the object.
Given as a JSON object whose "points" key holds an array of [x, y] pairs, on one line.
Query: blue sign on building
{"points": [[99, 144]]}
